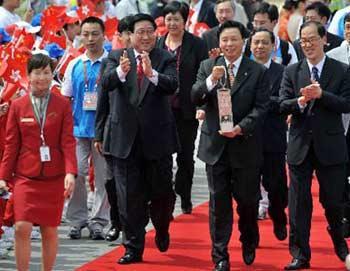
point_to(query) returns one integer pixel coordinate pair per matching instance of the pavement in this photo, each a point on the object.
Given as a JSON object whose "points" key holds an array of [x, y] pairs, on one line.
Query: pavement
{"points": [[74, 253]]}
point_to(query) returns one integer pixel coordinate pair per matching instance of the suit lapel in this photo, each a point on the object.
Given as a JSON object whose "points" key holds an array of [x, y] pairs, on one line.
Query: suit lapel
{"points": [[326, 75], [186, 48], [154, 56], [241, 76], [303, 75]]}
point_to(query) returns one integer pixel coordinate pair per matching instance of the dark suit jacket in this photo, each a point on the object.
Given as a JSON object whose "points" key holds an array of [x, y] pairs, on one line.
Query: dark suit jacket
{"points": [[211, 38], [144, 115], [275, 125], [193, 51], [249, 102], [333, 41], [323, 126], [207, 14]]}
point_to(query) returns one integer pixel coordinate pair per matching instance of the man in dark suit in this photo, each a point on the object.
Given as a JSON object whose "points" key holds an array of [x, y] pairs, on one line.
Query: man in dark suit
{"points": [[201, 11], [273, 171], [233, 158], [318, 12], [316, 141], [140, 134], [224, 11]]}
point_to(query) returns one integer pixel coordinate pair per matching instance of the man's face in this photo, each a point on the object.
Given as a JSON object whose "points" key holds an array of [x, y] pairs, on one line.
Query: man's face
{"points": [[92, 37], [231, 43], [347, 31], [262, 20], [261, 46], [144, 36], [12, 3], [312, 15], [73, 30], [224, 12], [312, 44]]}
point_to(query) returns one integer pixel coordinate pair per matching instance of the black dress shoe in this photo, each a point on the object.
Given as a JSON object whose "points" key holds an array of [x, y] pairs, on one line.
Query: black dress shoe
{"points": [[162, 242], [340, 245], [186, 206], [280, 231], [129, 258], [222, 266], [112, 234], [297, 264], [248, 253]]}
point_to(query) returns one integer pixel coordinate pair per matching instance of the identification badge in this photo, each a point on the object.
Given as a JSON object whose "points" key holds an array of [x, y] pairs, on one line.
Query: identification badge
{"points": [[225, 110], [90, 101], [45, 154]]}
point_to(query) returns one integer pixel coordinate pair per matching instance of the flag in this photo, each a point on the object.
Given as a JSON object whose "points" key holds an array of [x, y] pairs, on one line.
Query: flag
{"points": [[53, 19], [86, 9], [8, 91], [52, 37], [200, 28], [161, 29], [68, 56], [111, 27]]}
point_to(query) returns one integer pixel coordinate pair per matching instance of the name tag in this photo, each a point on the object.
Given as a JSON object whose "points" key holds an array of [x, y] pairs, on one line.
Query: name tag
{"points": [[27, 119], [45, 154], [90, 101]]}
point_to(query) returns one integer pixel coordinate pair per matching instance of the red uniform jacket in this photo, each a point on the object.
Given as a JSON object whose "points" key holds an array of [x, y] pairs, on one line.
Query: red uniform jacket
{"points": [[22, 145]]}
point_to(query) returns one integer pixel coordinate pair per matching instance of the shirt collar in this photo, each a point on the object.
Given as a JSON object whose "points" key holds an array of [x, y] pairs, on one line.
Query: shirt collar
{"points": [[235, 63], [319, 65], [85, 57], [268, 63]]}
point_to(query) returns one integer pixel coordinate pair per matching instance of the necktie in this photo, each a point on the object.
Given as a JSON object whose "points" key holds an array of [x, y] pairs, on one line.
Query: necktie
{"points": [[139, 71], [231, 76], [315, 74]]}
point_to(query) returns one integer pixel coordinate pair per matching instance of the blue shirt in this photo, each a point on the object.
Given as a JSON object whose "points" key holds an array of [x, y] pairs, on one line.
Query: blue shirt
{"points": [[74, 86]]}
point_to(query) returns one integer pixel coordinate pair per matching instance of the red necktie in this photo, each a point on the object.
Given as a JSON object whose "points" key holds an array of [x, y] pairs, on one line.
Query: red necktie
{"points": [[139, 71]]}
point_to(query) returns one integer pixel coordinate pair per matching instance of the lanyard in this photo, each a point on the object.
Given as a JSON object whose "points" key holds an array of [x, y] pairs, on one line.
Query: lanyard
{"points": [[86, 80], [41, 121]]}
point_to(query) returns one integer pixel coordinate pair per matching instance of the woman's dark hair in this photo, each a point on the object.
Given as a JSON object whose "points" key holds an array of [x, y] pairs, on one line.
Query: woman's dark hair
{"points": [[39, 61], [261, 29], [93, 20], [176, 6], [233, 24], [266, 8], [141, 17], [124, 24], [321, 9]]}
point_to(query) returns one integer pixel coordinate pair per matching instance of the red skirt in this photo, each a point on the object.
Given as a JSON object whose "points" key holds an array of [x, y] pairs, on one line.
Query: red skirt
{"points": [[39, 201]]}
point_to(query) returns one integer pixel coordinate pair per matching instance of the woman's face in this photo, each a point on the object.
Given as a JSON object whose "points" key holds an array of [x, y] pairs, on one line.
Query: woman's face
{"points": [[174, 23], [40, 80]]}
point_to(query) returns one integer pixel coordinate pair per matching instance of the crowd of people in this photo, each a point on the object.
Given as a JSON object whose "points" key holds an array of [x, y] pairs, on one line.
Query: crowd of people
{"points": [[97, 98]]}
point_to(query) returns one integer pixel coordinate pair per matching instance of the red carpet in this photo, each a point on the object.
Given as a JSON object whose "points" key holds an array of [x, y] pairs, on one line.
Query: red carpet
{"points": [[190, 248]]}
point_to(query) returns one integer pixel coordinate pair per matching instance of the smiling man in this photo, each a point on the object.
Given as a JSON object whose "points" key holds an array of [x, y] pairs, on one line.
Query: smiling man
{"points": [[135, 125], [315, 91], [233, 159]]}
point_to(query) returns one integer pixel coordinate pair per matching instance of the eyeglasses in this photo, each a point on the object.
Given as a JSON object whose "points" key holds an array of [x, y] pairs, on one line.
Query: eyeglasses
{"points": [[142, 32], [311, 41]]}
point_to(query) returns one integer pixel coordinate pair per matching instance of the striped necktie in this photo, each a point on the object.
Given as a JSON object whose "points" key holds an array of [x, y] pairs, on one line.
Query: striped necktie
{"points": [[231, 76]]}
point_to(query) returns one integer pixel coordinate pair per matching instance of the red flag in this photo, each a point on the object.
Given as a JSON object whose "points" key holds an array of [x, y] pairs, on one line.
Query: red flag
{"points": [[200, 28], [52, 37], [111, 27], [8, 91], [53, 18], [161, 29], [86, 9], [68, 56]]}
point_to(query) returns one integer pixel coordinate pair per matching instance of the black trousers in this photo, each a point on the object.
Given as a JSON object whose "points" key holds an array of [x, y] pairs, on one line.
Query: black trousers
{"points": [[332, 184], [187, 130], [112, 193], [274, 180], [224, 183], [144, 190]]}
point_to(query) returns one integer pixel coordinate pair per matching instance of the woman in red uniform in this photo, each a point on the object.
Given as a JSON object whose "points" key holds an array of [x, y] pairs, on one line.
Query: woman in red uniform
{"points": [[39, 159]]}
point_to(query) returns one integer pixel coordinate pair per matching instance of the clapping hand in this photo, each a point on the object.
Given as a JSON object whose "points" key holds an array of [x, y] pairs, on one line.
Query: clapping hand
{"points": [[237, 130], [124, 62], [214, 53], [3, 108], [146, 64], [217, 73], [312, 91]]}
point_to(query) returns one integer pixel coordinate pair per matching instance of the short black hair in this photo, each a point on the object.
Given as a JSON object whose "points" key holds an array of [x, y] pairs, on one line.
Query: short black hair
{"points": [[261, 29], [39, 61], [1, 2], [320, 8], [347, 18], [266, 8], [141, 17], [321, 30], [233, 24], [176, 6], [124, 24], [93, 20]]}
